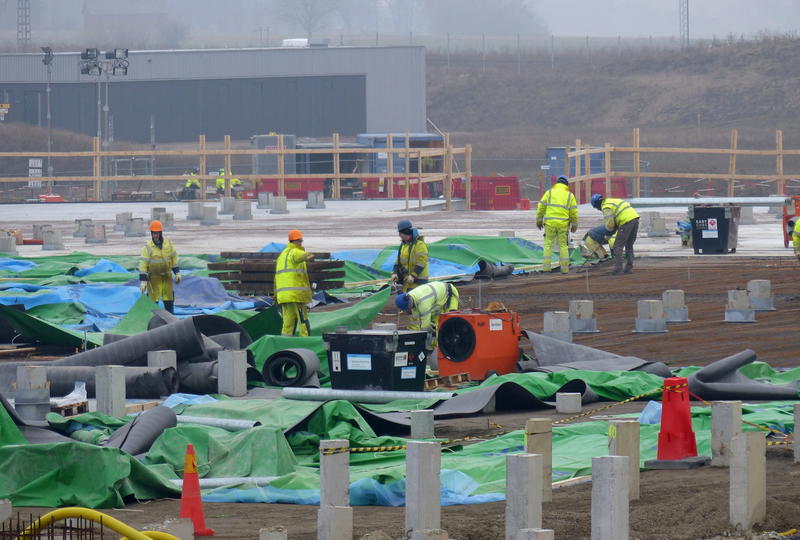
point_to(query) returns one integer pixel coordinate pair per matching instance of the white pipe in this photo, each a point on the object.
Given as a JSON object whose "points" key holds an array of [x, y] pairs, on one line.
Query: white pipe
{"points": [[359, 396], [230, 481], [224, 423], [691, 201]]}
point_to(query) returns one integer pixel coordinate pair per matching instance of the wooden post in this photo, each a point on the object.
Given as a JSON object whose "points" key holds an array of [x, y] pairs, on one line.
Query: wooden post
{"points": [[732, 161], [281, 168], [337, 173], [781, 184], [587, 168], [448, 173], [96, 167], [390, 166], [408, 164], [419, 177], [567, 164], [607, 159], [468, 172], [227, 143], [637, 185], [202, 149]]}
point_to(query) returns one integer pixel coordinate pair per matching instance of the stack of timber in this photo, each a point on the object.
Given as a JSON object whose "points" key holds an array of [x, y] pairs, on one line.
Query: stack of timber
{"points": [[254, 273]]}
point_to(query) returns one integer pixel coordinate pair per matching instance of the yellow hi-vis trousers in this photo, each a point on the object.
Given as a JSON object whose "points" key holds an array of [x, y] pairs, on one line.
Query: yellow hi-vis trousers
{"points": [[293, 313], [550, 235]]}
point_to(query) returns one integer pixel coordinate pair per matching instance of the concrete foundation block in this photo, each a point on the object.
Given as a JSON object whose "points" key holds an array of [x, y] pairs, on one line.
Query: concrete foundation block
{"points": [[5, 509], [8, 244], [650, 317], [121, 221], [209, 216], [51, 240], [273, 533], [334, 473], [675, 309], [135, 228], [738, 299], [181, 528], [32, 395], [539, 440], [243, 210], [157, 212], [164, 358], [557, 325], [536, 534], [507, 234], [96, 235], [623, 440], [760, 293], [81, 228], [110, 390], [279, 205], [264, 201], [748, 479], [738, 309], [658, 227], [195, 210], [610, 504], [746, 216], [740, 315], [423, 495], [422, 424], [335, 523], [232, 373], [582, 319], [568, 402], [524, 477], [226, 205], [316, 200], [38, 230], [726, 423]]}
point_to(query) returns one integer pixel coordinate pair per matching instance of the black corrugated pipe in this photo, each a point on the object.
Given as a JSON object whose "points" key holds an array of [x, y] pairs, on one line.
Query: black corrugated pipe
{"points": [[140, 382], [292, 367]]}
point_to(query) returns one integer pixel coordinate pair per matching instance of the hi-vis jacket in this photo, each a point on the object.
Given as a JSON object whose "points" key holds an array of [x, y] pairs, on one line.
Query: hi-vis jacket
{"points": [[412, 260], [558, 207], [617, 213], [429, 301], [291, 276], [156, 265], [796, 237]]}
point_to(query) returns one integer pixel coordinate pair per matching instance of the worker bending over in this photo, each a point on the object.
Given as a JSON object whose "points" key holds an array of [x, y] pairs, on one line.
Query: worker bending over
{"points": [[557, 213], [593, 242], [425, 303], [292, 286], [157, 263], [619, 217], [411, 268]]}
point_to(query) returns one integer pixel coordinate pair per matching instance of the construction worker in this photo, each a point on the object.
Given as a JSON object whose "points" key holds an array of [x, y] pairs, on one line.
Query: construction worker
{"points": [[593, 241], [796, 237], [220, 182], [622, 219], [558, 214], [411, 268], [157, 262], [192, 185], [292, 286], [425, 303]]}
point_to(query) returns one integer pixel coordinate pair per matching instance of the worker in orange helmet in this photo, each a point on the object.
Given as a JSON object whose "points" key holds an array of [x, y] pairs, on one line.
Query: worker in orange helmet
{"points": [[157, 262], [292, 286]]}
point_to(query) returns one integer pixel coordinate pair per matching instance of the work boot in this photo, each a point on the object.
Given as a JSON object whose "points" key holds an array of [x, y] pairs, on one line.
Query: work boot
{"points": [[616, 271], [629, 269]]}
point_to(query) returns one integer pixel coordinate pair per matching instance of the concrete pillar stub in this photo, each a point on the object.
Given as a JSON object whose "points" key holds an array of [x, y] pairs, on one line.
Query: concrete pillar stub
{"points": [[121, 221], [536, 534], [273, 533], [31, 377], [164, 358], [264, 201], [135, 228], [51, 240], [623, 440], [422, 424], [726, 423], [423, 496], [610, 505], [335, 523], [738, 308], [738, 299], [650, 317], [243, 210], [81, 227], [568, 402], [557, 325], [5, 509], [209, 216], [746, 216], [110, 390], [748, 479], [181, 528], [760, 293], [8, 244], [226, 205], [796, 423], [524, 477], [232, 373], [279, 206], [156, 212], [658, 227], [316, 200], [96, 234], [38, 230], [582, 318], [675, 309], [195, 210], [539, 440], [334, 473]]}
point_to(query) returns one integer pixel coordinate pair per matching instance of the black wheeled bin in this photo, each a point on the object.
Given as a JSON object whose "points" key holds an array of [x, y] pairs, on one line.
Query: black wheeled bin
{"points": [[377, 359], [715, 229]]}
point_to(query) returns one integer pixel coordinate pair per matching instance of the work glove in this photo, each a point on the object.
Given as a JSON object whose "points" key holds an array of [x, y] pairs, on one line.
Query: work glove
{"points": [[309, 257], [143, 286], [178, 278], [409, 280], [395, 278], [314, 285], [574, 228], [539, 225]]}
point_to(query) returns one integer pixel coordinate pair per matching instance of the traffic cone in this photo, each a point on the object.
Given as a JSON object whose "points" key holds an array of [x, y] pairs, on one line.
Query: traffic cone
{"points": [[676, 438], [191, 504]]}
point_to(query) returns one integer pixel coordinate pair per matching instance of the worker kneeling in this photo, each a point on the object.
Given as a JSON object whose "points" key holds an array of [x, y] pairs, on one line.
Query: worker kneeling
{"points": [[292, 286], [425, 303], [157, 263], [593, 241]]}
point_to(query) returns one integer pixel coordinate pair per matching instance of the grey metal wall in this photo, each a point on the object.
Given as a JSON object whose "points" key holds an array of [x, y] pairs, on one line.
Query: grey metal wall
{"points": [[307, 91]]}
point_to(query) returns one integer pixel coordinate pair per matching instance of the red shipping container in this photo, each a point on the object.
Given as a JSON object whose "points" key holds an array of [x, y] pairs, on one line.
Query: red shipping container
{"points": [[294, 188], [495, 192], [378, 188]]}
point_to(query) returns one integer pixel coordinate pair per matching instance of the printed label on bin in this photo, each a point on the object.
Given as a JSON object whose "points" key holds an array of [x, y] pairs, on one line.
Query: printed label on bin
{"points": [[409, 372], [710, 234], [409, 343], [400, 359], [495, 324], [712, 224], [359, 362], [336, 360]]}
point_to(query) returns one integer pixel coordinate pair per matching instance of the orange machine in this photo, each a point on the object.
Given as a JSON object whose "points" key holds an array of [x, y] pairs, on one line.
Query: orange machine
{"points": [[790, 210], [478, 343]]}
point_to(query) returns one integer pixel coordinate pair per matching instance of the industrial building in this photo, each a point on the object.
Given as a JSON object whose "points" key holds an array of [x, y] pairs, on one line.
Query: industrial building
{"points": [[307, 91]]}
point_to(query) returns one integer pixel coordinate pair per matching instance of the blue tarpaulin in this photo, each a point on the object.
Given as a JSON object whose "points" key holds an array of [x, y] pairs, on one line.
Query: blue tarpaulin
{"points": [[103, 265], [14, 265]]}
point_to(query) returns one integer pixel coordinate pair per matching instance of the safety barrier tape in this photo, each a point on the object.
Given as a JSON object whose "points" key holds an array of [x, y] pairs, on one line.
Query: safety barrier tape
{"points": [[605, 407], [762, 428]]}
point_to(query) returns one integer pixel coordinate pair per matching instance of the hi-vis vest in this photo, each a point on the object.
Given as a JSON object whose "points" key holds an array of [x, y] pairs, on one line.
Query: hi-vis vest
{"points": [[192, 181], [291, 276], [558, 207], [430, 300], [412, 259], [617, 213], [155, 261]]}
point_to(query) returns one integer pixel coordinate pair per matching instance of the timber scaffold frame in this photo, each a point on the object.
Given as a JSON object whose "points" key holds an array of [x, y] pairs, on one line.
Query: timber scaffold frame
{"points": [[447, 152], [584, 181]]}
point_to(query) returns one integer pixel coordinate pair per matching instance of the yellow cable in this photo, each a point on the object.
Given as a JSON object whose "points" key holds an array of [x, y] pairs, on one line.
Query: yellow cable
{"points": [[93, 515]]}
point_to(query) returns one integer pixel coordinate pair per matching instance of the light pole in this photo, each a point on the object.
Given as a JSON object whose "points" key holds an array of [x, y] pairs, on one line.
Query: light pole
{"points": [[48, 62]]}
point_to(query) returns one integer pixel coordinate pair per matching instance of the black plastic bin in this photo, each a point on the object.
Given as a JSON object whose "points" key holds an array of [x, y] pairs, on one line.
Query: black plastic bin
{"points": [[377, 360], [715, 229]]}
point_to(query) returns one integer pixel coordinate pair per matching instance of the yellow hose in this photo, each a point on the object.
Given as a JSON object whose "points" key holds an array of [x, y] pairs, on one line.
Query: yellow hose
{"points": [[93, 515]]}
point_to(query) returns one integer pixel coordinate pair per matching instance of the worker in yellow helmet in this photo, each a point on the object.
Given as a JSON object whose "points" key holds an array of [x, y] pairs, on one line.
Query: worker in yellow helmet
{"points": [[619, 217], [558, 214], [292, 286], [796, 237], [157, 263], [220, 182]]}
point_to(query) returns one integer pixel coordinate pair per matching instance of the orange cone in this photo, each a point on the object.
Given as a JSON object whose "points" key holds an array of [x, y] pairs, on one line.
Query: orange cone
{"points": [[191, 504], [676, 437]]}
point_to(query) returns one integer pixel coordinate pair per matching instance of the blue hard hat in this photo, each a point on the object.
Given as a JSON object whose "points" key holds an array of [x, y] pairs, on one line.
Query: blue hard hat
{"points": [[403, 225], [402, 301], [596, 200], [562, 179]]}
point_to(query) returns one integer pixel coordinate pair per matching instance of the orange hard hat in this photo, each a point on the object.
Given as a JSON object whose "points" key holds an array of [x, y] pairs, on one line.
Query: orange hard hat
{"points": [[155, 226], [294, 234]]}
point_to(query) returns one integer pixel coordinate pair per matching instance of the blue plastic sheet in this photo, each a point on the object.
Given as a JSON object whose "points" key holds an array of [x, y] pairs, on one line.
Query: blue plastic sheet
{"points": [[15, 265], [103, 265], [364, 257], [651, 414], [273, 247], [436, 267], [187, 399]]}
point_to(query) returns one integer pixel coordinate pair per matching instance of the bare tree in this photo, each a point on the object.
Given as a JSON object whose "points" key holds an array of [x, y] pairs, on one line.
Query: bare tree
{"points": [[308, 15]]}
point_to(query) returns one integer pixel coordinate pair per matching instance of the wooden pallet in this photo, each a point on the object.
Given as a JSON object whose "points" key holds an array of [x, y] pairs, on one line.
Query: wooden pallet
{"points": [[447, 381], [72, 409], [141, 407]]}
